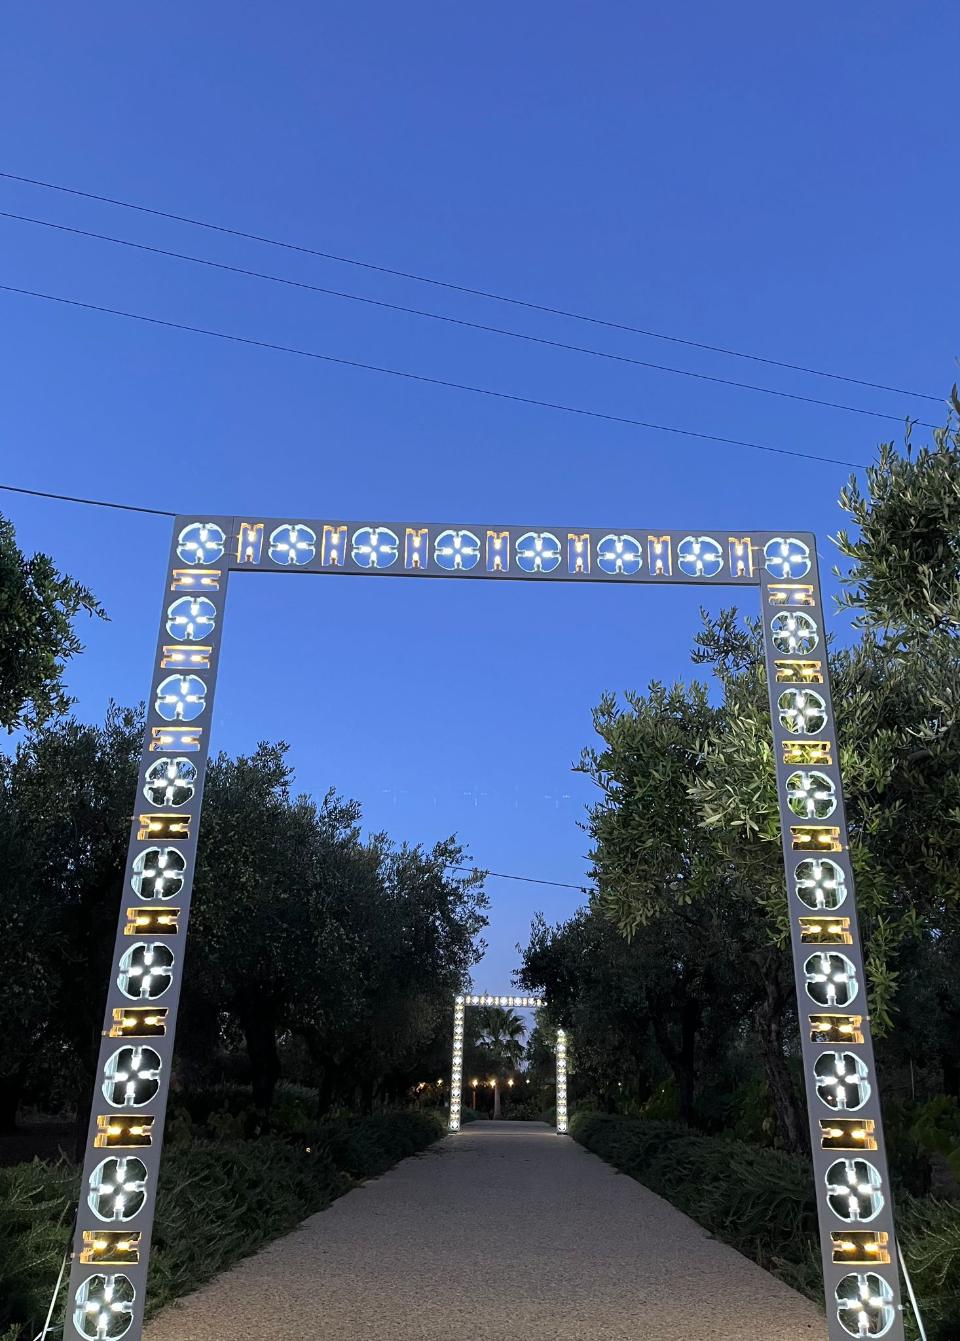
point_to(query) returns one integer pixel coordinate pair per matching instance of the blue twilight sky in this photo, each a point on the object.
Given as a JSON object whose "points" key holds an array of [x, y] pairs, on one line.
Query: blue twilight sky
{"points": [[779, 180]]}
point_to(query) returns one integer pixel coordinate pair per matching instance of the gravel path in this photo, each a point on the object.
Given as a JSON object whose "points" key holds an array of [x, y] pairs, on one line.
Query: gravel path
{"points": [[502, 1231]]}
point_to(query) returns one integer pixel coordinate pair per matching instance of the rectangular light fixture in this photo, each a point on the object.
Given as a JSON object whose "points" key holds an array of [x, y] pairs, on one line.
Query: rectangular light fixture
{"points": [[835, 1028], [139, 1022], [111, 1247], [164, 826], [123, 1133], [790, 593], [860, 1247], [807, 752], [191, 656], [152, 922], [798, 672], [825, 930], [183, 738], [815, 838], [195, 579], [847, 1134]]}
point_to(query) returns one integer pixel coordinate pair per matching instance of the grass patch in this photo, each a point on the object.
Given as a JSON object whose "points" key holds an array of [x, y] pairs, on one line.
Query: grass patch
{"points": [[761, 1202], [217, 1202]]}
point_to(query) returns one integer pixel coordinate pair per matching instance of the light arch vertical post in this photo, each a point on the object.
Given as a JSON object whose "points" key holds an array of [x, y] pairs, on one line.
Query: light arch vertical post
{"points": [[107, 1286], [460, 1004]]}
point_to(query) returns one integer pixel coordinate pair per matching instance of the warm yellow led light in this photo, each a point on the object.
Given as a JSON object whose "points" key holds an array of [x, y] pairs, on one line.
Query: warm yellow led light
{"points": [[110, 1247], [848, 1134], [860, 1246], [741, 556], [815, 838], [835, 1028], [578, 551], [799, 672], [249, 542], [139, 1022], [659, 558], [159, 922], [498, 551], [193, 656], [164, 826], [116, 1133], [184, 738], [807, 752], [825, 931], [414, 546], [190, 579], [790, 593]]}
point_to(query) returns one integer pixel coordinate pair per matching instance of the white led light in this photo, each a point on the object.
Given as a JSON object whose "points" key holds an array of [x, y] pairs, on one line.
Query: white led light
{"points": [[131, 1077], [103, 1307], [841, 1080], [538, 552], [201, 542], [158, 873], [820, 884], [794, 633], [170, 782], [146, 971], [811, 795], [699, 556], [191, 618], [457, 550], [181, 698], [620, 554], [865, 1304], [117, 1189], [830, 979], [375, 547], [853, 1190], [561, 1082], [802, 711], [293, 544], [785, 556]]}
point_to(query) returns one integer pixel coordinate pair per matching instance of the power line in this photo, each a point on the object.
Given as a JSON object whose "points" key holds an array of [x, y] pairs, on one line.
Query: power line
{"points": [[449, 320], [426, 380], [89, 502], [466, 289], [526, 879]]}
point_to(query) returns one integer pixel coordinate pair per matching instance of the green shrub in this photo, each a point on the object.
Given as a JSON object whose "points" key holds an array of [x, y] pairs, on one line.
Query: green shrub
{"points": [[762, 1203], [217, 1202]]}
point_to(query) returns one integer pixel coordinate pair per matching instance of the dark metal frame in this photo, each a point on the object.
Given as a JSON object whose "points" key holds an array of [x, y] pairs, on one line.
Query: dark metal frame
{"points": [[110, 1260]]}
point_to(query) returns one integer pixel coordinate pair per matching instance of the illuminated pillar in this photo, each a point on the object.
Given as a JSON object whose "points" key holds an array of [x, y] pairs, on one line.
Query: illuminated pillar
{"points": [[561, 1082], [118, 1190], [854, 1202], [456, 1069]]}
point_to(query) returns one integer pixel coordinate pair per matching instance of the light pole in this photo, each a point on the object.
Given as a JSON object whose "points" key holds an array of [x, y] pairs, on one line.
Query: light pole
{"points": [[474, 1083]]}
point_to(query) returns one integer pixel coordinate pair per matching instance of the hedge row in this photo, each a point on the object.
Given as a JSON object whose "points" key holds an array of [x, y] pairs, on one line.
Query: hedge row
{"points": [[216, 1204], [761, 1202]]}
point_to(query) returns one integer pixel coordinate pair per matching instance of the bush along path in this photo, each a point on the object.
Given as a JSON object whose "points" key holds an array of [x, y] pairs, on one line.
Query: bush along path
{"points": [[217, 1203], [761, 1202]]}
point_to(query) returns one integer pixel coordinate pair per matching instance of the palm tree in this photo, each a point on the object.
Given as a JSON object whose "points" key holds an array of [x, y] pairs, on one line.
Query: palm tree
{"points": [[500, 1041]]}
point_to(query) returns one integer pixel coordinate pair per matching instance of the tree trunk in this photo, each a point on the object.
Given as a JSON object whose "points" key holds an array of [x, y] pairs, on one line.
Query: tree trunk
{"points": [[11, 1090], [496, 1101], [682, 1057], [791, 1127], [258, 1021]]}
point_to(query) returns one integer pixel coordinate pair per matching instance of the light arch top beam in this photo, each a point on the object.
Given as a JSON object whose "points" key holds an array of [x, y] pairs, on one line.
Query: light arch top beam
{"points": [[502, 552]]}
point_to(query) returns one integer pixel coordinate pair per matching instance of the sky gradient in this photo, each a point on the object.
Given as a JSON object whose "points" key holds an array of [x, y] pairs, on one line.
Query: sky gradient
{"points": [[778, 182]]}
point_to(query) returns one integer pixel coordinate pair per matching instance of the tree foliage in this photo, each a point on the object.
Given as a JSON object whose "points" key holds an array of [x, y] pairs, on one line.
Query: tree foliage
{"points": [[38, 605], [310, 947]]}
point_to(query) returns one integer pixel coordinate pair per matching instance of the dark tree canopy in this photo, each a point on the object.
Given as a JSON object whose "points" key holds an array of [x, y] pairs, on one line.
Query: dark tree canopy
{"points": [[37, 636]]}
